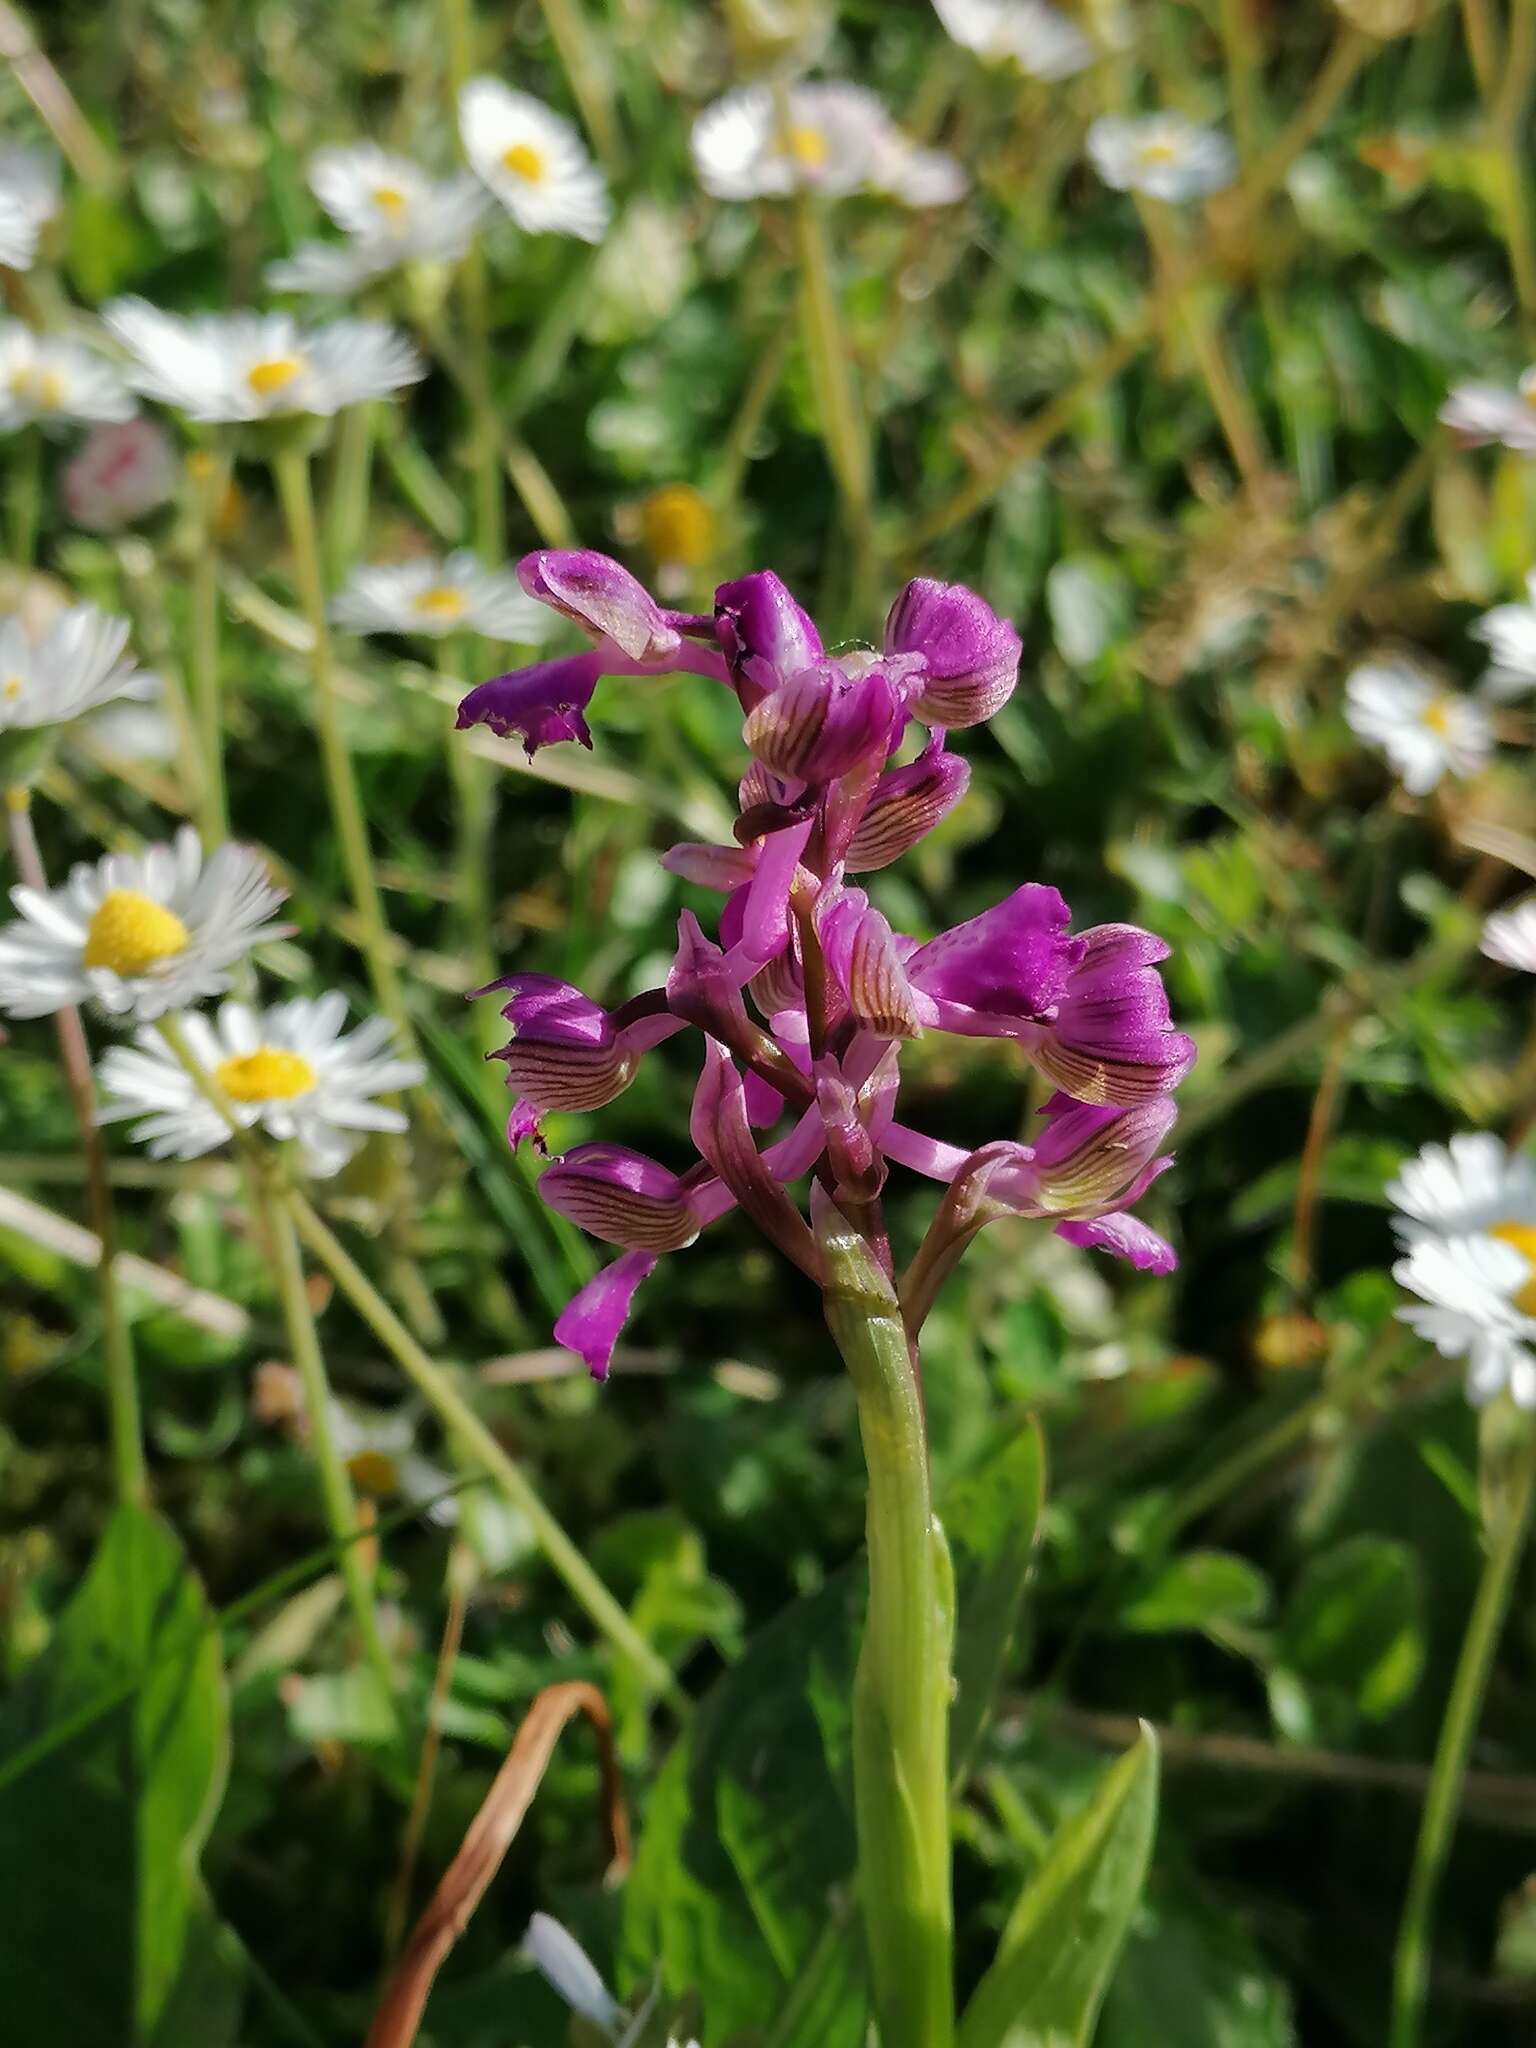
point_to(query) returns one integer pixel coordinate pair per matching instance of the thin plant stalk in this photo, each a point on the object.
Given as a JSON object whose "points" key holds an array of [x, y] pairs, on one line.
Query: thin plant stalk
{"points": [[478, 1444], [581, 54], [901, 1687], [474, 826], [458, 25], [1410, 1972], [346, 512], [829, 359], [1482, 35], [22, 494], [1229, 401], [460, 1573], [128, 1468], [337, 1497], [212, 481], [1511, 111], [290, 468]]}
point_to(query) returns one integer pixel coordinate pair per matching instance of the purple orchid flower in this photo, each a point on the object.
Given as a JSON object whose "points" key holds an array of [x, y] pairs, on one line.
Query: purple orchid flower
{"points": [[807, 993]]}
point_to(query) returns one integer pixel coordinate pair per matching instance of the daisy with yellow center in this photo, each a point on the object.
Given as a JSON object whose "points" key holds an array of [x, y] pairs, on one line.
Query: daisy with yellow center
{"points": [[391, 211], [825, 135], [434, 597], [1161, 155], [292, 1071], [46, 379], [532, 161], [1425, 730], [79, 663], [140, 934]]}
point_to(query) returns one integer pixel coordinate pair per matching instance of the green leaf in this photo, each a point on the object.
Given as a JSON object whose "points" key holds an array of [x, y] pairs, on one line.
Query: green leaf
{"points": [[748, 1848], [1053, 1964], [1203, 1589], [1192, 1974], [1351, 1643], [105, 1829], [992, 1519]]}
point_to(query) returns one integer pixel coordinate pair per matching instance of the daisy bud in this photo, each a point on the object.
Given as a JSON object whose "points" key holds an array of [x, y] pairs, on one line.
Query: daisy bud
{"points": [[591, 1322], [972, 655], [602, 597], [622, 1197], [824, 721], [863, 953], [123, 469], [765, 634], [564, 1052], [906, 805], [1112, 1040], [540, 705]]}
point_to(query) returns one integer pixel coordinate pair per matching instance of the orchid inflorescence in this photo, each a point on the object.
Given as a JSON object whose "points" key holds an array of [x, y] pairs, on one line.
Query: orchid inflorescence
{"points": [[836, 789]]}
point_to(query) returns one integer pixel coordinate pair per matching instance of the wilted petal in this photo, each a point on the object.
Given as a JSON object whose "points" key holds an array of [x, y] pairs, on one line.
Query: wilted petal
{"points": [[538, 705], [564, 1052], [766, 635], [1007, 967], [601, 595], [592, 1321], [906, 805], [822, 722], [862, 952], [711, 867], [1112, 1040], [622, 1197], [721, 1129], [1127, 1237], [972, 655]]}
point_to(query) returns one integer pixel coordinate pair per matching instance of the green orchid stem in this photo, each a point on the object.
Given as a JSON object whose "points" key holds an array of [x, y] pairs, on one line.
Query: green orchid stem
{"points": [[901, 1688], [290, 470], [462, 1423], [203, 661], [1410, 1972], [335, 1483], [124, 1421], [829, 359]]}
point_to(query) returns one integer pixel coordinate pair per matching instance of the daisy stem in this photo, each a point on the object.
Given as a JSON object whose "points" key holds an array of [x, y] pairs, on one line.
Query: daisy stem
{"points": [[346, 524], [830, 359], [586, 68], [336, 1493], [437, 1388], [474, 826], [128, 1466], [1229, 401], [1482, 36], [1511, 110], [1410, 1974], [212, 481], [461, 1573], [22, 497], [290, 469]]}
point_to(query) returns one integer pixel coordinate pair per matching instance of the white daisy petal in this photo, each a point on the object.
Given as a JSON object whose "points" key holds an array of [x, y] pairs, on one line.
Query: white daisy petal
{"points": [[48, 381], [1509, 936], [1425, 731], [79, 663], [1478, 413], [1162, 155], [393, 213], [435, 597], [534, 162], [229, 367], [29, 198], [291, 1069], [830, 137], [1042, 42]]}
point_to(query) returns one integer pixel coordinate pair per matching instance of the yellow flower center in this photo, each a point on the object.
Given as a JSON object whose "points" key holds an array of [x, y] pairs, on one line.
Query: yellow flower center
{"points": [[523, 161], [808, 146], [1158, 152], [1436, 717], [374, 1472], [389, 199], [1523, 1237], [269, 1074], [131, 933], [678, 525], [442, 601], [41, 388], [276, 374], [12, 688]]}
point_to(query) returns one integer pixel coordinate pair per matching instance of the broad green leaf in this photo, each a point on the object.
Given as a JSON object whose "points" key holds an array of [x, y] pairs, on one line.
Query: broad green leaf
{"points": [[992, 1519], [1351, 1643], [748, 1846], [1191, 1974], [1053, 1964], [1202, 1589], [100, 1837]]}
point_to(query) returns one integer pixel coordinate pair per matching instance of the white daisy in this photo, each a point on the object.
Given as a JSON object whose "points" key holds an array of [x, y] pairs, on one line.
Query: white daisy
{"points": [[1509, 936], [122, 469], [915, 176], [1041, 41], [454, 595], [250, 366], [378, 1447], [827, 141], [534, 162], [1467, 1221], [1162, 155], [1509, 634], [142, 933], [29, 198], [1479, 413], [45, 380], [77, 663], [1425, 730], [291, 1070], [393, 213]]}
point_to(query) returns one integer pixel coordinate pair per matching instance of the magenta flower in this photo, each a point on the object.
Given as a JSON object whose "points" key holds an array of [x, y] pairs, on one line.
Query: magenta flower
{"points": [[806, 993]]}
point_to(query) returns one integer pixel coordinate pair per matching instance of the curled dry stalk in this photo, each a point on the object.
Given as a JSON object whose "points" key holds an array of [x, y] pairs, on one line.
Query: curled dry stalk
{"points": [[491, 1834]]}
